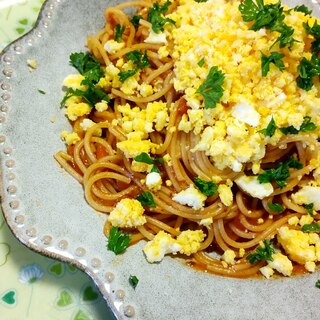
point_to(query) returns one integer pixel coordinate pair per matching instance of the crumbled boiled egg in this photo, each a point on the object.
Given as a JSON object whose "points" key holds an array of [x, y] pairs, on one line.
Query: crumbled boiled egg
{"points": [[246, 112], [75, 110], [252, 186], [191, 197], [32, 64], [190, 241], [207, 222], [299, 246], [112, 46], [128, 213], [87, 123], [154, 181], [306, 195], [74, 81], [229, 256], [70, 138], [154, 37], [281, 263], [101, 106], [135, 145], [225, 194], [159, 246]]}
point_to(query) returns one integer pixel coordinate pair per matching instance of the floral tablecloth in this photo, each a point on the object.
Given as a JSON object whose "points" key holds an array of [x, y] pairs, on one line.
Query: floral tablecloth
{"points": [[32, 286]]}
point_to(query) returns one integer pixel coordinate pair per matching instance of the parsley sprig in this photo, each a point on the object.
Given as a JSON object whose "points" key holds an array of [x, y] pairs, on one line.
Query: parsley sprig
{"points": [[315, 32], [145, 158], [156, 16], [146, 199], [90, 68], [308, 69], [118, 32], [208, 188], [276, 207], [211, 89], [309, 208], [140, 61], [270, 129], [118, 241], [306, 125], [312, 227], [281, 173], [262, 253], [275, 58], [133, 281], [270, 16]]}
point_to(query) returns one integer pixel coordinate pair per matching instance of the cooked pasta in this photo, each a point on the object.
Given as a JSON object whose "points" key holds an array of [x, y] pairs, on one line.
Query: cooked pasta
{"points": [[195, 127]]}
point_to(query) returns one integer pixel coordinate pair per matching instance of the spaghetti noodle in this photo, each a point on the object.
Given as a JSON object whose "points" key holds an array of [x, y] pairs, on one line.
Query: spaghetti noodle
{"points": [[182, 141]]}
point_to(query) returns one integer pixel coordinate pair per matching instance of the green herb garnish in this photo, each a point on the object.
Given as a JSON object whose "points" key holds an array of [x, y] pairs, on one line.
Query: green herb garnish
{"points": [[140, 60], [133, 281], [313, 227], [318, 283], [146, 199], [276, 207], [211, 89], [145, 158], [306, 125], [135, 20], [208, 188], [156, 16], [270, 129], [118, 32], [275, 58], [201, 62], [315, 32], [309, 208], [41, 91], [261, 253], [124, 75], [118, 241], [304, 9], [307, 70], [89, 67], [281, 173], [270, 16]]}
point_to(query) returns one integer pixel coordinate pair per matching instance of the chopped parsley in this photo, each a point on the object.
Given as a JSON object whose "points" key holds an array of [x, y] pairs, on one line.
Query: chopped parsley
{"points": [[318, 283], [200, 1], [275, 58], [145, 158], [270, 16], [281, 173], [312, 227], [133, 281], [270, 129], [89, 67], [307, 70], [315, 32], [208, 188], [276, 207], [118, 241], [118, 32], [41, 91], [306, 125], [124, 75], [146, 199], [201, 62], [156, 16], [309, 208], [211, 89], [139, 59], [304, 9], [261, 253], [135, 20]]}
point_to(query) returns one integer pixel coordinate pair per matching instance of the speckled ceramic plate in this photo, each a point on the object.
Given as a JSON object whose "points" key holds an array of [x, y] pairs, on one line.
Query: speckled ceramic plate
{"points": [[46, 210]]}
